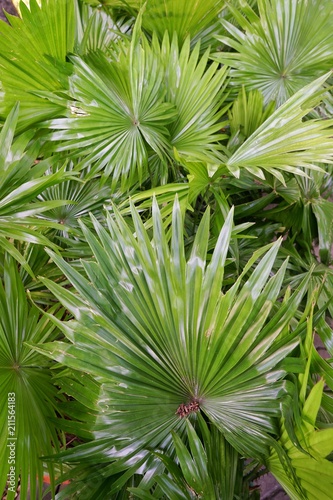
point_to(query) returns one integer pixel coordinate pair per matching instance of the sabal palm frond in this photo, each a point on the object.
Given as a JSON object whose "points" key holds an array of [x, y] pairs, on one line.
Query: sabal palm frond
{"points": [[156, 330], [281, 49]]}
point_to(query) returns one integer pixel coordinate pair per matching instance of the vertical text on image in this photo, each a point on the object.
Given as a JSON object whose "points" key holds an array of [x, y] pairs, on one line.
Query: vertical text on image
{"points": [[11, 441]]}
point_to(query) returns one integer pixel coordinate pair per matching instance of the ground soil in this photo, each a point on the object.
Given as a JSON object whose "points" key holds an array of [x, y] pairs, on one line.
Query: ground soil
{"points": [[8, 7]]}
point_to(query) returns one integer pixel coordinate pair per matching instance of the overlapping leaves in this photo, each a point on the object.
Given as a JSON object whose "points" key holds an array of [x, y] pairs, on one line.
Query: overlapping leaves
{"points": [[311, 456], [122, 118], [185, 17], [208, 467], [281, 49], [158, 331], [27, 395], [285, 142], [22, 180], [33, 58]]}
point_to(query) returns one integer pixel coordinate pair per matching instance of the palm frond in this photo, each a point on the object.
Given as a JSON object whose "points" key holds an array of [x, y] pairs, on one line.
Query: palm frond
{"points": [[22, 180], [281, 49], [198, 92], [164, 325], [28, 396], [33, 58], [285, 142], [248, 112], [123, 117], [317, 445], [185, 18], [121, 120], [96, 30], [205, 465]]}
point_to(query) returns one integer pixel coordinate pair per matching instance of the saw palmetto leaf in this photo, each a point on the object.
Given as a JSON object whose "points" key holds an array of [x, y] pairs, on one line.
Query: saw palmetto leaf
{"points": [[281, 49], [28, 396], [156, 329], [33, 58], [286, 143]]}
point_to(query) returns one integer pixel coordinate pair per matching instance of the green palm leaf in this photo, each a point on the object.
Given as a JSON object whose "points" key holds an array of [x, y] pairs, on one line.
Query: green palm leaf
{"points": [[96, 30], [284, 142], [124, 115], [246, 115], [33, 58], [80, 195], [317, 445], [198, 92], [190, 17], [282, 49], [305, 454], [157, 330], [208, 467], [22, 180], [28, 396], [122, 119]]}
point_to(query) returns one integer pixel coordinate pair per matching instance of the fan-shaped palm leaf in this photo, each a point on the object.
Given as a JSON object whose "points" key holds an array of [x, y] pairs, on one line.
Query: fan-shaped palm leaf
{"points": [[33, 58], [81, 195], [282, 49], [197, 91], [284, 142], [22, 180], [122, 118], [167, 343], [123, 114], [184, 17], [28, 396]]}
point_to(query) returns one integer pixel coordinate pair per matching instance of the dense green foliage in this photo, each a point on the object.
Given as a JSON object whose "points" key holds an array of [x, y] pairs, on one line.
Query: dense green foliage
{"points": [[166, 233]]}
